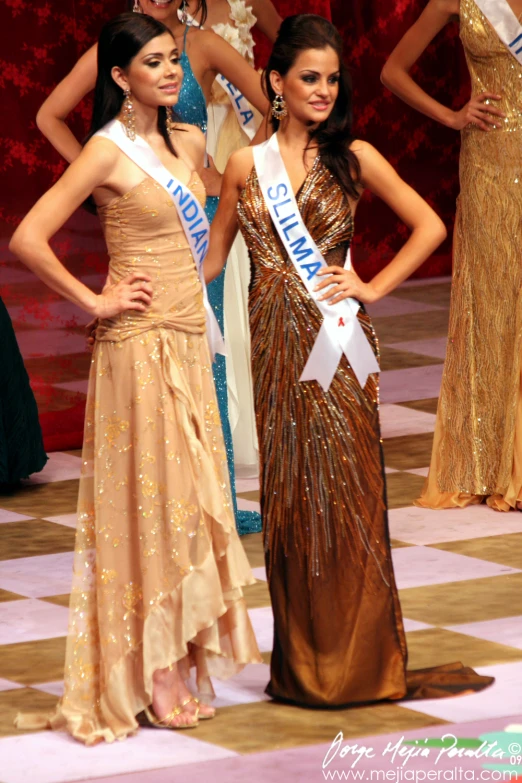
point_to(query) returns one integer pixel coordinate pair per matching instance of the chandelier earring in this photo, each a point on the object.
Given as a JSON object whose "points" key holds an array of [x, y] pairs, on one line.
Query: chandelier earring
{"points": [[136, 8], [170, 123], [279, 109], [128, 117], [183, 13]]}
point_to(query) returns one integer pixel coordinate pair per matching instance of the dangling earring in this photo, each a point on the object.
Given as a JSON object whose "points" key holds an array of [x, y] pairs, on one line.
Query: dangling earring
{"points": [[136, 8], [128, 116], [183, 13], [279, 109], [170, 123]]}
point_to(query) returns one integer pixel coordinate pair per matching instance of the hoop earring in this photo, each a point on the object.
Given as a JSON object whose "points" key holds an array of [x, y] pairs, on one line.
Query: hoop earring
{"points": [[136, 8], [279, 109], [128, 116], [170, 123]]}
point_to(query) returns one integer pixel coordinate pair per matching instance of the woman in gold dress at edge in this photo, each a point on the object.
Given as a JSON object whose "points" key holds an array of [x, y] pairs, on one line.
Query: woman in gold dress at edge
{"points": [[339, 636], [158, 564], [477, 450]]}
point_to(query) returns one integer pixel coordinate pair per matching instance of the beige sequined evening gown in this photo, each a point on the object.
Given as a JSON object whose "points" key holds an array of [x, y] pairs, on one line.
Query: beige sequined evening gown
{"points": [[338, 631], [158, 565], [477, 449]]}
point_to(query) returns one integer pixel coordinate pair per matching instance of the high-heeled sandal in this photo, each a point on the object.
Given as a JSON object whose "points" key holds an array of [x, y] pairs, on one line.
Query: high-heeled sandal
{"points": [[200, 715], [149, 718]]}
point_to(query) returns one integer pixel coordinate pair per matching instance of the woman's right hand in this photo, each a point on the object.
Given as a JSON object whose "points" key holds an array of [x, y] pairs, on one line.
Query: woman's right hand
{"points": [[132, 293], [477, 112], [211, 178]]}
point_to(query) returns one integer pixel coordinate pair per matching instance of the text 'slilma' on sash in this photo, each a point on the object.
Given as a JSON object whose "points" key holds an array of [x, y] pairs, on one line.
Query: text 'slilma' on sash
{"points": [[341, 331]]}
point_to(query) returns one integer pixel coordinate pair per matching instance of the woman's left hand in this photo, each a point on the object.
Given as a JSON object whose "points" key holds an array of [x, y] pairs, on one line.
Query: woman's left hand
{"points": [[342, 284]]}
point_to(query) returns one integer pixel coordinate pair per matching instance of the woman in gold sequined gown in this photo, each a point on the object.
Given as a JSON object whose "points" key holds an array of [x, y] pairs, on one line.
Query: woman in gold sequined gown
{"points": [[158, 565], [477, 450], [338, 631]]}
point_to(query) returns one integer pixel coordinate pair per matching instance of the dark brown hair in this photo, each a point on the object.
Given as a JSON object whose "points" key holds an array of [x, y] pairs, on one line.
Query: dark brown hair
{"points": [[333, 136], [120, 41]]}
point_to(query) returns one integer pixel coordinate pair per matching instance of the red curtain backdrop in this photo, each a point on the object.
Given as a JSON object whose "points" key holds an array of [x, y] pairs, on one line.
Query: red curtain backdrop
{"points": [[424, 153], [46, 37]]}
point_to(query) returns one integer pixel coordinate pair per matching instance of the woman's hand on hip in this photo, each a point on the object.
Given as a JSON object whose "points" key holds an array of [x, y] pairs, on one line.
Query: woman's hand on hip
{"points": [[478, 112], [132, 293], [90, 334], [211, 178], [342, 284]]}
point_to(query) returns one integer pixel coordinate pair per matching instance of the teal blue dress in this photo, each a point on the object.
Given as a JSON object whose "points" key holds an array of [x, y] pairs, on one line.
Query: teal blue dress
{"points": [[192, 109]]}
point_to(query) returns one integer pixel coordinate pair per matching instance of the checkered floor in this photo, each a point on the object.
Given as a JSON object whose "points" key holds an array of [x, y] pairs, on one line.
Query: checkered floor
{"points": [[459, 574]]}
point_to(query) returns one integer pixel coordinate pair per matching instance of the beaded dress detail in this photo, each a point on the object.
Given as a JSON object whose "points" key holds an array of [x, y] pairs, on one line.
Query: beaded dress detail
{"points": [[338, 630], [158, 564], [192, 109], [477, 449], [225, 136]]}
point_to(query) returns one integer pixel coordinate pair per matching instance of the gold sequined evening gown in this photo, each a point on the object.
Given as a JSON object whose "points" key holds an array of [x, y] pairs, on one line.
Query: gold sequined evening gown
{"points": [[158, 564], [477, 449], [338, 630]]}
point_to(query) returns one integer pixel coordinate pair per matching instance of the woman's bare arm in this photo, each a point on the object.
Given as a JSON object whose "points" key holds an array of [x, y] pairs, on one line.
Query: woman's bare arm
{"points": [[225, 224], [268, 19], [223, 58], [61, 102], [30, 241], [427, 232], [396, 72]]}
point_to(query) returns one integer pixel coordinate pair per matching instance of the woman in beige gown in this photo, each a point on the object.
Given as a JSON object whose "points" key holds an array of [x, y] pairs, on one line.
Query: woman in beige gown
{"points": [[158, 565], [477, 450]]}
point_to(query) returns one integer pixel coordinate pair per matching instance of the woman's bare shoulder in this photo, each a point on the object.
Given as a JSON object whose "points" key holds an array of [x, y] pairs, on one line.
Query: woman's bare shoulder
{"points": [[448, 7], [243, 159], [239, 166], [192, 133]]}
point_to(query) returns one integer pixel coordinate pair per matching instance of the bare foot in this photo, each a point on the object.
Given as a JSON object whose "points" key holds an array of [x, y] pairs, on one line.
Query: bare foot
{"points": [[206, 711], [170, 694]]}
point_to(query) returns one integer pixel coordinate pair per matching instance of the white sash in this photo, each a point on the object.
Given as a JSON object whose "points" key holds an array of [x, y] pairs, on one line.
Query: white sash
{"points": [[245, 115], [501, 17], [191, 213], [341, 331]]}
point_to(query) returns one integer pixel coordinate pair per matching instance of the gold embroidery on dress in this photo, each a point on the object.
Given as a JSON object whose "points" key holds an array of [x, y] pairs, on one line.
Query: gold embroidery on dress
{"points": [[154, 506]]}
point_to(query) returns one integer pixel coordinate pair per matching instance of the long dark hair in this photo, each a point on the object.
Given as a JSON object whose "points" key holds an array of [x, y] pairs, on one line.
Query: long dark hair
{"points": [[202, 6], [120, 41], [333, 136]]}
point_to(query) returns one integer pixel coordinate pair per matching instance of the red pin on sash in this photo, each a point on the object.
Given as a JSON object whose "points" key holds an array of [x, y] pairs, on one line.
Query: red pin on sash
{"points": [[341, 322]]}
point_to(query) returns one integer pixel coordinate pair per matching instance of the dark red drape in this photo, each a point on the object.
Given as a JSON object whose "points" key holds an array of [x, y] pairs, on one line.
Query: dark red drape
{"points": [[45, 39], [424, 153]]}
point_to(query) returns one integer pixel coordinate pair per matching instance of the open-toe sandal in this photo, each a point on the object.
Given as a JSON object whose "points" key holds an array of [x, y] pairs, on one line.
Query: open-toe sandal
{"points": [[199, 713], [149, 718]]}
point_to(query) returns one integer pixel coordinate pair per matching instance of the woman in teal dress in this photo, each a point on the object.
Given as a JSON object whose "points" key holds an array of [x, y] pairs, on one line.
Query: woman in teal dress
{"points": [[192, 108], [213, 56]]}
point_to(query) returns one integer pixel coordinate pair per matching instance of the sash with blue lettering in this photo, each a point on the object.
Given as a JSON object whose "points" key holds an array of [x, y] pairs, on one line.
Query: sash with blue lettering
{"points": [[245, 115], [191, 213], [501, 17], [341, 331]]}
